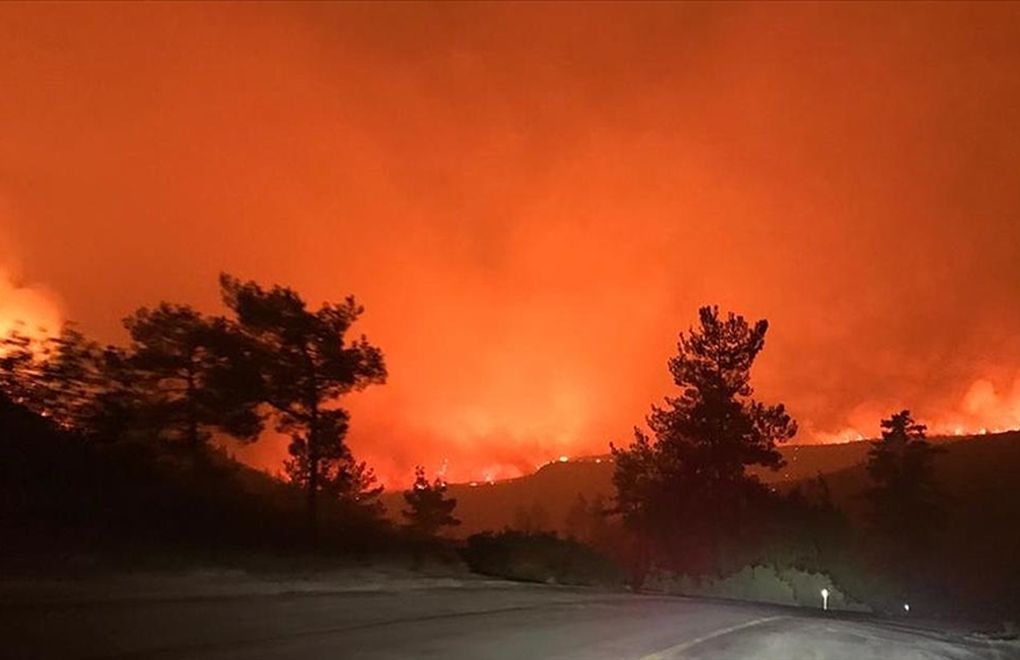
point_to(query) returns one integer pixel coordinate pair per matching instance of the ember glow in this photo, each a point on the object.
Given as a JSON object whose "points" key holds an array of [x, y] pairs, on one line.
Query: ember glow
{"points": [[532, 200], [983, 408], [26, 309]]}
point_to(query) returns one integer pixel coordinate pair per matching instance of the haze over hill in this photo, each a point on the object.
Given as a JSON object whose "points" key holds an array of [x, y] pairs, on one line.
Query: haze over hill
{"points": [[545, 497], [510, 330], [532, 199]]}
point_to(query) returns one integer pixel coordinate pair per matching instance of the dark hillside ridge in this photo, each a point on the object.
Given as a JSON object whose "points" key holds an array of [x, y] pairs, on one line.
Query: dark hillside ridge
{"points": [[547, 495], [979, 548], [65, 494]]}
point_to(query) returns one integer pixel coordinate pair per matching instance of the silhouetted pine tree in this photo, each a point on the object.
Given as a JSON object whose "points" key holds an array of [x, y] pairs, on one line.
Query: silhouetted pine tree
{"points": [[905, 501], [686, 490], [59, 377], [304, 365], [429, 510], [191, 375]]}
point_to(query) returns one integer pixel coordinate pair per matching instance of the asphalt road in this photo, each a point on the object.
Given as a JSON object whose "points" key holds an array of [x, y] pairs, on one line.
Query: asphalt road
{"points": [[483, 621]]}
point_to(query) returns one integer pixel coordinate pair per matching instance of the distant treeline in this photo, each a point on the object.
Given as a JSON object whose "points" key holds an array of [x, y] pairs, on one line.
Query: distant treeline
{"points": [[115, 442], [184, 376], [103, 443]]}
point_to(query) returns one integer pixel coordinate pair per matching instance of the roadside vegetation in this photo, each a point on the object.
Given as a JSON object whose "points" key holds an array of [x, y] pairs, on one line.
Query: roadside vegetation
{"points": [[698, 516], [112, 451], [112, 448], [692, 515], [540, 557]]}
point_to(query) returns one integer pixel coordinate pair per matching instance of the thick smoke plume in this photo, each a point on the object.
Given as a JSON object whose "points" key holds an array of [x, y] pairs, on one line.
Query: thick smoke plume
{"points": [[532, 200]]}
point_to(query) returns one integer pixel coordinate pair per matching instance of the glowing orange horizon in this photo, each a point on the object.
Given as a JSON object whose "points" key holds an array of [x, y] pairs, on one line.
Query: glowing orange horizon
{"points": [[532, 200]]}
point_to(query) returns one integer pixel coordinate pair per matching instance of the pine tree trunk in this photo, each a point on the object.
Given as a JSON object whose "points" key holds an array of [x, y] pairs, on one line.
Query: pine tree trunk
{"points": [[192, 413], [313, 477]]}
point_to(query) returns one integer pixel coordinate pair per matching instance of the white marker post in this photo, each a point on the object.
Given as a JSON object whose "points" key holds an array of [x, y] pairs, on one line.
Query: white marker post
{"points": [[825, 599]]}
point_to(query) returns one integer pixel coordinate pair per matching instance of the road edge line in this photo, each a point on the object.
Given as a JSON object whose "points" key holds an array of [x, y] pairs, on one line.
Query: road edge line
{"points": [[673, 651]]}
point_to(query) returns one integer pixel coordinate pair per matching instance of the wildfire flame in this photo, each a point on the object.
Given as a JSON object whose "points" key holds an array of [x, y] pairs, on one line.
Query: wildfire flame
{"points": [[29, 310], [982, 410]]}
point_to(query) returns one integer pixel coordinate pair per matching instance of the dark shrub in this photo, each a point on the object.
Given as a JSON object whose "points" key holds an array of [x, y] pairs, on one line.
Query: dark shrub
{"points": [[539, 557]]}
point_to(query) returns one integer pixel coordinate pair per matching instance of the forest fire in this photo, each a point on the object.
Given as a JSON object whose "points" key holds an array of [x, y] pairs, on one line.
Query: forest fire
{"points": [[525, 286], [388, 303], [983, 409], [26, 310]]}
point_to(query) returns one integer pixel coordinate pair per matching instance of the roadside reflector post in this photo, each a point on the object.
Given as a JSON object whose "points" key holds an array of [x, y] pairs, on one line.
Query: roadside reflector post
{"points": [[825, 599]]}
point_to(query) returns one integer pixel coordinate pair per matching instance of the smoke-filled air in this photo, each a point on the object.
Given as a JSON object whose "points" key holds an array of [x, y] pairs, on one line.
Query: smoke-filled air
{"points": [[529, 228]]}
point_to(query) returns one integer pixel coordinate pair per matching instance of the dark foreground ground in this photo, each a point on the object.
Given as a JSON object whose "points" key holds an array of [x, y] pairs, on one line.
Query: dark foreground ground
{"points": [[379, 615]]}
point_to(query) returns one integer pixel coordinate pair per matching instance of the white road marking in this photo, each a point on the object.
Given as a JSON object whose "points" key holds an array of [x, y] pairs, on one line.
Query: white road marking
{"points": [[674, 651]]}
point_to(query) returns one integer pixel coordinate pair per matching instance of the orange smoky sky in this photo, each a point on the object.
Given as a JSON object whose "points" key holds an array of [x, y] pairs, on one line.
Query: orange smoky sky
{"points": [[532, 200]]}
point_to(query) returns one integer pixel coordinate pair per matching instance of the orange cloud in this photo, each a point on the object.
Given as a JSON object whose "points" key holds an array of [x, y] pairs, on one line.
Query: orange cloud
{"points": [[532, 200]]}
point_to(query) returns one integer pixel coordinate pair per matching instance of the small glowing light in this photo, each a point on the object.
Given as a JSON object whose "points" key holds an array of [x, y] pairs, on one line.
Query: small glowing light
{"points": [[906, 607], [564, 459], [825, 599], [473, 484], [598, 460]]}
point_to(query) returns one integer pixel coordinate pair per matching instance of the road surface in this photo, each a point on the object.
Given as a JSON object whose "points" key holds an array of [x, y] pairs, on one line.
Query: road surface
{"points": [[487, 619]]}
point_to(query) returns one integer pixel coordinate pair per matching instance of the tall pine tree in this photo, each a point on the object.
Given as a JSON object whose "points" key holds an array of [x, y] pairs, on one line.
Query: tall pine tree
{"points": [[686, 490], [429, 510], [305, 363], [904, 497]]}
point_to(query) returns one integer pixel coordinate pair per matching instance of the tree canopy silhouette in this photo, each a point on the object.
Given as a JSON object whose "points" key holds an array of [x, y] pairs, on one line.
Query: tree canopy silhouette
{"points": [[687, 487], [305, 363], [192, 374], [59, 377], [904, 498], [429, 508]]}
